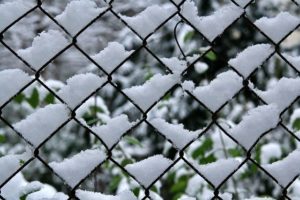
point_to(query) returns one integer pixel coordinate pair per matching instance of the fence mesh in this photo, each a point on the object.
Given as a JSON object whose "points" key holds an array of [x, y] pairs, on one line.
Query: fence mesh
{"points": [[110, 81]]}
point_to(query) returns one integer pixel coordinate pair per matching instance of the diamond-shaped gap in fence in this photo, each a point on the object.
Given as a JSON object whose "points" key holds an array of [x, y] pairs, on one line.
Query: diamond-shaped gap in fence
{"points": [[148, 94], [103, 121], [181, 182], [141, 160], [79, 86], [108, 174], [147, 90], [184, 182], [279, 90], [257, 122], [215, 94], [77, 14], [213, 24], [228, 46], [247, 125], [30, 187], [169, 116], [149, 19], [36, 42], [270, 26], [215, 157], [78, 159], [176, 58], [108, 50], [40, 103], [273, 159], [249, 174], [13, 11]]}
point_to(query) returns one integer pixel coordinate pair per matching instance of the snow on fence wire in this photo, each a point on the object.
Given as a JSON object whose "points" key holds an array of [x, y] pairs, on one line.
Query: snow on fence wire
{"points": [[258, 121]]}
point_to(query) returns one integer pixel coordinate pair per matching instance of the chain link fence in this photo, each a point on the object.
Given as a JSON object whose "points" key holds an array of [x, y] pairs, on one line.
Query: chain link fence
{"points": [[109, 81]]}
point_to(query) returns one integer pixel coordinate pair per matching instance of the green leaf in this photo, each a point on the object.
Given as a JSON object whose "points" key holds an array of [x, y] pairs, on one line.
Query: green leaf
{"points": [[22, 162], [154, 189], [188, 36], [19, 98], [95, 109], [34, 98], [235, 152], [133, 141], [23, 197], [179, 186], [136, 191], [211, 56], [148, 75], [296, 124], [204, 147], [49, 99], [114, 183], [2, 138], [208, 159], [126, 161]]}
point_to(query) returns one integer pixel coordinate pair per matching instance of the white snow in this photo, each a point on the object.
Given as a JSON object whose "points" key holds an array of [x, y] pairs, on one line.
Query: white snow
{"points": [[187, 198], [277, 27], [217, 171], [44, 47], [149, 19], [213, 25], [256, 122], [285, 170], [87, 195], [11, 163], [11, 11], [251, 58], [200, 67], [151, 91], [12, 189], [42, 123], [294, 60], [148, 170], [113, 130], [8, 90], [269, 151], [47, 192], [111, 56], [177, 65], [260, 198], [78, 14], [175, 132], [283, 93], [219, 90], [79, 87], [76, 168]]}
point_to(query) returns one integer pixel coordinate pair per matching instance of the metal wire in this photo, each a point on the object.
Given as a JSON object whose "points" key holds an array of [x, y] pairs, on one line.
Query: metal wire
{"points": [[110, 81]]}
